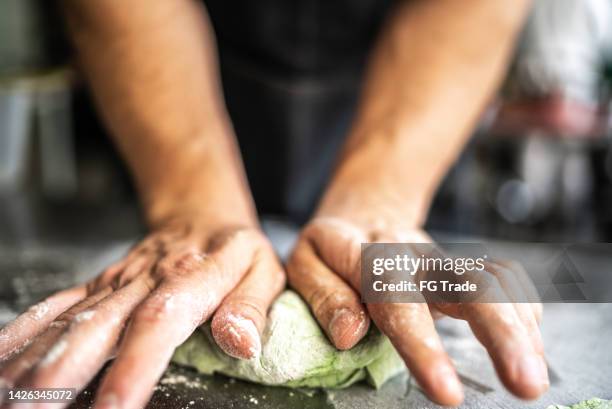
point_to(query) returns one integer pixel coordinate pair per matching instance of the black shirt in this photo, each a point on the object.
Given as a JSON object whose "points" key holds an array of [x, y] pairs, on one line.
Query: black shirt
{"points": [[291, 71]]}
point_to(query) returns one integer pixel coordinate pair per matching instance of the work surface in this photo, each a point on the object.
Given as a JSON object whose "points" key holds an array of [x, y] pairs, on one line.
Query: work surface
{"points": [[578, 340]]}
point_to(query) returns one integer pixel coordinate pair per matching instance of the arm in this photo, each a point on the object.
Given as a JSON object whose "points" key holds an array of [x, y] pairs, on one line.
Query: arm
{"points": [[153, 71], [152, 68], [434, 68]]}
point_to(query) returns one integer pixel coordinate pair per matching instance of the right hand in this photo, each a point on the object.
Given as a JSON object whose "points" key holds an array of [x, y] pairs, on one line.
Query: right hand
{"points": [[141, 308]]}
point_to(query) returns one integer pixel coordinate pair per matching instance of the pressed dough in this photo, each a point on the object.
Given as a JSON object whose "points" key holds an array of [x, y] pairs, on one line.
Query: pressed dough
{"points": [[296, 353]]}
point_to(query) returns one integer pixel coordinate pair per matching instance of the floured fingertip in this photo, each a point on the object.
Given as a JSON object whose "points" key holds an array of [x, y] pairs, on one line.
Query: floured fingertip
{"points": [[347, 327], [237, 336]]}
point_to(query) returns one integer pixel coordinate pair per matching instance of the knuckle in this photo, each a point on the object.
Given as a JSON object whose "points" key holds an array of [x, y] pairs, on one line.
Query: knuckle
{"points": [[154, 311], [94, 285], [67, 315], [72, 319], [109, 276], [164, 268], [185, 263], [60, 323], [192, 260], [325, 299], [337, 227], [84, 316], [316, 230], [171, 303]]}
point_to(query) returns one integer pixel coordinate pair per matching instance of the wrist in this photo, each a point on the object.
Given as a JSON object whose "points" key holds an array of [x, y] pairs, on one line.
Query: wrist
{"points": [[197, 213], [372, 201], [200, 185], [379, 184]]}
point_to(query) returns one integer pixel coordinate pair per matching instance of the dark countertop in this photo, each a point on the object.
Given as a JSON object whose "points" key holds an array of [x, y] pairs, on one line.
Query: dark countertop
{"points": [[577, 339]]}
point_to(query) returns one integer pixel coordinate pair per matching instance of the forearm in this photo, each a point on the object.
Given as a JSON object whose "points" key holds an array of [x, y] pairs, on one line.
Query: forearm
{"points": [[433, 70], [153, 70]]}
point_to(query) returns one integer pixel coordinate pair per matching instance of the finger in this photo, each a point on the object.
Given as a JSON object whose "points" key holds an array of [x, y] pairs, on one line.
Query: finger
{"points": [[136, 267], [411, 330], [527, 317], [500, 330], [91, 337], [336, 306], [338, 244], [21, 363], [240, 320], [191, 287], [233, 253], [527, 284], [107, 278], [122, 272], [509, 282], [16, 334]]}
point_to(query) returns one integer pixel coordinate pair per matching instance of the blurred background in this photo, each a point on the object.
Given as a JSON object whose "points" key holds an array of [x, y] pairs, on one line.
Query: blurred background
{"points": [[539, 168]]}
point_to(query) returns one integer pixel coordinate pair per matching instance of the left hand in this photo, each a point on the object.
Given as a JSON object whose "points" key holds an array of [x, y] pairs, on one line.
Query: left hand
{"points": [[325, 269]]}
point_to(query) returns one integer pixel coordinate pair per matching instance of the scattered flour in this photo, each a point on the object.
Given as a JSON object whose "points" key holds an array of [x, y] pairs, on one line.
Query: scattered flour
{"points": [[177, 379]]}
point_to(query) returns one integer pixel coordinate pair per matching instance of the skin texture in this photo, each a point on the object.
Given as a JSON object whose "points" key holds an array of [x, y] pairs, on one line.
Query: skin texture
{"points": [[152, 69], [205, 251]]}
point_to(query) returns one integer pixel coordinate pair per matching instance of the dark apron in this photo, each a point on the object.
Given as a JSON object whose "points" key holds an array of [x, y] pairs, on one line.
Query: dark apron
{"points": [[291, 71]]}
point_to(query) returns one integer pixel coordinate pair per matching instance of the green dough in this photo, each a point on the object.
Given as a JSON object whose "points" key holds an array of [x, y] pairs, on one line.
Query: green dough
{"points": [[296, 353], [594, 403]]}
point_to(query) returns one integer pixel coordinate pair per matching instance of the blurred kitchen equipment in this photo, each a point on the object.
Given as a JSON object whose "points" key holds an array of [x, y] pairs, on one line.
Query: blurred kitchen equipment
{"points": [[540, 170], [35, 113], [36, 143], [31, 37]]}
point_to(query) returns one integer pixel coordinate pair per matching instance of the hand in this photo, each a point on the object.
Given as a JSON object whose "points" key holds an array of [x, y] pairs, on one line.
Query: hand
{"points": [[150, 301], [325, 269]]}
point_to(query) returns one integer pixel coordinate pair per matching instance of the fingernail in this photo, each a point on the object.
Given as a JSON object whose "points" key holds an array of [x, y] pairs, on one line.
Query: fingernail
{"points": [[255, 341], [108, 401], [239, 338], [532, 370], [347, 327]]}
